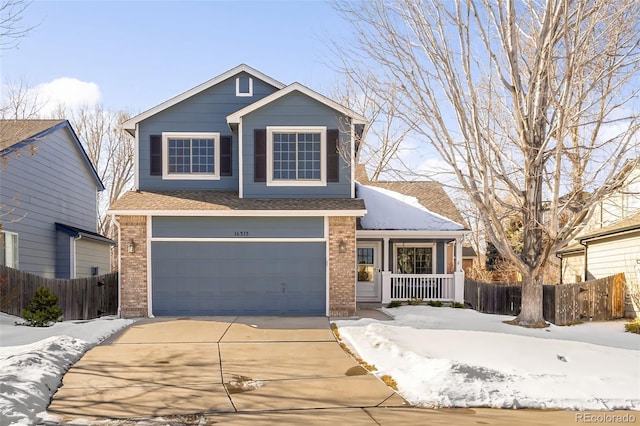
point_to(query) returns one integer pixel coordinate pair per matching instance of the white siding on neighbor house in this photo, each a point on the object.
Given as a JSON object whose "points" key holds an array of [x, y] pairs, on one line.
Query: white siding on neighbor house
{"points": [[572, 268], [614, 255], [89, 254], [40, 186], [621, 205]]}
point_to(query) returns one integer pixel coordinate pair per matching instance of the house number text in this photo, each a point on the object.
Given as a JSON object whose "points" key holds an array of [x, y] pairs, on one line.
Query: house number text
{"points": [[241, 233]]}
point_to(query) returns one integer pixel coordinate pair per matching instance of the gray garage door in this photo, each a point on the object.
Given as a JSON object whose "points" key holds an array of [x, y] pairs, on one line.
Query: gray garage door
{"points": [[204, 278]]}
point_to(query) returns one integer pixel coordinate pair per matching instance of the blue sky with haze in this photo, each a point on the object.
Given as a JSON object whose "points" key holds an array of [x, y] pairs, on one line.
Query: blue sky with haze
{"points": [[141, 53]]}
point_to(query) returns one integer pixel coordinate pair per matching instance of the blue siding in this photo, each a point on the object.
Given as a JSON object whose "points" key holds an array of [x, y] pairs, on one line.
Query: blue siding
{"points": [[294, 109], [52, 185], [198, 278], [204, 112], [63, 255], [233, 227]]}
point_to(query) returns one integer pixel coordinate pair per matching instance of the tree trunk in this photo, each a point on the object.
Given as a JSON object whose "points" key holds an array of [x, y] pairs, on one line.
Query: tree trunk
{"points": [[531, 310]]}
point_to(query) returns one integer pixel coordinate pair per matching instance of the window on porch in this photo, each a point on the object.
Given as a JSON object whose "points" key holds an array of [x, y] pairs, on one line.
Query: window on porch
{"points": [[414, 260]]}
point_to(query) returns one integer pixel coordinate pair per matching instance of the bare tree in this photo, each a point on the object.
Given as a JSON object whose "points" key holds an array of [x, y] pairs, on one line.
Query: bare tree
{"points": [[530, 102], [381, 147], [20, 101], [110, 149], [12, 28]]}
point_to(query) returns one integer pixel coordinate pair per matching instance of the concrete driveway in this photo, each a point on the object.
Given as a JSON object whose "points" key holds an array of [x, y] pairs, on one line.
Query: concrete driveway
{"points": [[169, 367], [252, 371]]}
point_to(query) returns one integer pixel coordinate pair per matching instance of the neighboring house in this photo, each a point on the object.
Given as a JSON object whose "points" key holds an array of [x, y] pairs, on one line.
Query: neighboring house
{"points": [[246, 205], [610, 241], [48, 202], [469, 257]]}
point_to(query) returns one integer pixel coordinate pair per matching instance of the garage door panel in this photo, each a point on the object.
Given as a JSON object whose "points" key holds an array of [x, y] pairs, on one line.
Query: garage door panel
{"points": [[198, 278]]}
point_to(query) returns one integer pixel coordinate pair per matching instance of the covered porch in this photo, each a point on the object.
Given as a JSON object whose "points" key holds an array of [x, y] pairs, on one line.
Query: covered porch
{"points": [[405, 265]]}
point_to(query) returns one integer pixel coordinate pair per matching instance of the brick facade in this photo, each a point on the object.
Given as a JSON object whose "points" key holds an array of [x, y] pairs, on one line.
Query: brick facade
{"points": [[342, 267], [133, 266]]}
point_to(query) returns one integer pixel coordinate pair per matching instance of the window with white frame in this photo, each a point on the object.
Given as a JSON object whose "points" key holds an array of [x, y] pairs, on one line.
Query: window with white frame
{"points": [[414, 259], [9, 249], [191, 155], [244, 86], [296, 156]]}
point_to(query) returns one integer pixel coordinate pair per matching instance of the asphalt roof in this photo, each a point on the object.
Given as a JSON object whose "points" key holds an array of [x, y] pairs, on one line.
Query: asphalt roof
{"points": [[15, 131], [224, 200]]}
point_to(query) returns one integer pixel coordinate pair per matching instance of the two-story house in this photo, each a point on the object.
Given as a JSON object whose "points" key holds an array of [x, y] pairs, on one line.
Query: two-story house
{"points": [[246, 203], [48, 202]]}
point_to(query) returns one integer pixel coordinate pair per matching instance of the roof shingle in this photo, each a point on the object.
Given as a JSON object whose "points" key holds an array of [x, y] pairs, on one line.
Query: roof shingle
{"points": [[14, 131], [224, 200]]}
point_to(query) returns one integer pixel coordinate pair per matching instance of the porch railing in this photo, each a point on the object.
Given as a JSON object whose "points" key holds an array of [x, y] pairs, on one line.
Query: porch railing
{"points": [[425, 287]]}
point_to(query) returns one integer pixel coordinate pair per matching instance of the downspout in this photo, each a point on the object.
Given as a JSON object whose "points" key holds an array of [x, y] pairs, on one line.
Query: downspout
{"points": [[117, 224], [74, 263], [586, 269], [560, 257]]}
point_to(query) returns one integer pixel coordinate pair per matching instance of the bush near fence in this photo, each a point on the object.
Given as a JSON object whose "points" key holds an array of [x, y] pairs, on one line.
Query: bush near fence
{"points": [[562, 304], [79, 299]]}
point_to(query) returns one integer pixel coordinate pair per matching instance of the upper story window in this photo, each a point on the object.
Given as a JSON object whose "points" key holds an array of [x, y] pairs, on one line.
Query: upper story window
{"points": [[9, 249], [244, 86], [191, 155], [296, 156]]}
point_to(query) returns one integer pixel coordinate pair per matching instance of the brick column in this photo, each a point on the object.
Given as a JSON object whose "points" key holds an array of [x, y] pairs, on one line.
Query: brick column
{"points": [[342, 267], [133, 266]]}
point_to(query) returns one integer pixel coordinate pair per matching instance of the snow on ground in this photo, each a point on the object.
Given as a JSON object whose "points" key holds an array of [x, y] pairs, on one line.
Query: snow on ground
{"points": [[34, 359], [445, 357]]}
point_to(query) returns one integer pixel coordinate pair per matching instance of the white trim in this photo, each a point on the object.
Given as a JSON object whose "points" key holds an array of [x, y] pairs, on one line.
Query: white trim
{"points": [[377, 267], [244, 94], [191, 135], [238, 240], [240, 213], [136, 159], [323, 155], [409, 244], [363, 233], [14, 247], [130, 123], [352, 163], [235, 117], [240, 162], [149, 271], [328, 269]]}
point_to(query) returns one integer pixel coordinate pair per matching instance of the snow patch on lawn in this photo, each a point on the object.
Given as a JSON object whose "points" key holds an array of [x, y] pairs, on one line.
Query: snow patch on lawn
{"points": [[444, 357], [34, 359]]}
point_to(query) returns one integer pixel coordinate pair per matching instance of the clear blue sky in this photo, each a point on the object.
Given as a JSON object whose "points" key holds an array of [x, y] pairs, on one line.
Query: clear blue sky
{"points": [[141, 53]]}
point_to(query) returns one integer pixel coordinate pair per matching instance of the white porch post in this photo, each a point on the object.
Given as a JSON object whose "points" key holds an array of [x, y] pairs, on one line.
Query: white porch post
{"points": [[386, 279], [459, 273]]}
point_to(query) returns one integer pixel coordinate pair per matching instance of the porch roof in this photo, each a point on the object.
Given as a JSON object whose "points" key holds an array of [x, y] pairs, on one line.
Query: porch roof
{"points": [[391, 210]]}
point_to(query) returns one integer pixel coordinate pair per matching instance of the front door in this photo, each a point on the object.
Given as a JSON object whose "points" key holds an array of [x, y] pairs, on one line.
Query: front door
{"points": [[368, 258]]}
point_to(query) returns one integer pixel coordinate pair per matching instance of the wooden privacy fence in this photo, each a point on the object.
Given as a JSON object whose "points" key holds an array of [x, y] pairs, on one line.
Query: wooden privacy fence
{"points": [[562, 304], [79, 299]]}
